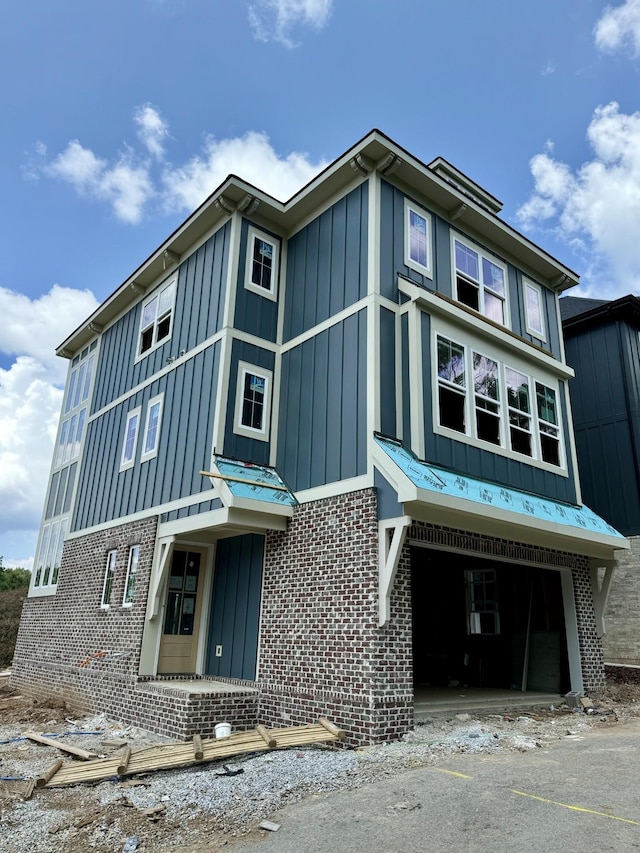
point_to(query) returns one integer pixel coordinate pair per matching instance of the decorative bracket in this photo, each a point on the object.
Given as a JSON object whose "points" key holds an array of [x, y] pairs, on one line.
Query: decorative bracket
{"points": [[389, 557], [165, 547], [600, 585]]}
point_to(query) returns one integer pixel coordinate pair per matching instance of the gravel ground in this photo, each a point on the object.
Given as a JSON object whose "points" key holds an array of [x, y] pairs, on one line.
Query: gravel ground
{"points": [[199, 808]]}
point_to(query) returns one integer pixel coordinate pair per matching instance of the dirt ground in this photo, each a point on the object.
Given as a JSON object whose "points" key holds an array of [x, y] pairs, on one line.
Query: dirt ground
{"points": [[78, 819]]}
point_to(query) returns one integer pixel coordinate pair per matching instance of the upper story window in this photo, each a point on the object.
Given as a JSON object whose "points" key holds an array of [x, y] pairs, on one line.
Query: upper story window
{"points": [[261, 275], [253, 402], [157, 317], [130, 441], [151, 436], [418, 239], [480, 280], [74, 409], [533, 309], [492, 402]]}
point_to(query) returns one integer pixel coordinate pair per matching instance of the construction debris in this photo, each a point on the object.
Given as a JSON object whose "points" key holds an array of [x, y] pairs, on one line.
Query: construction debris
{"points": [[64, 747], [169, 756]]}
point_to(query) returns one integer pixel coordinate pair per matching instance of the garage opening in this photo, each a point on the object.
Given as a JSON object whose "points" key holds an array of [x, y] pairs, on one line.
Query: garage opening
{"points": [[482, 623]]}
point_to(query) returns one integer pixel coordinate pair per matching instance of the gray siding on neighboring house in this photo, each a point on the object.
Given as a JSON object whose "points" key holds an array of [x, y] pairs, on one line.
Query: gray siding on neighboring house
{"points": [[322, 418], [605, 398], [255, 314], [197, 315], [239, 446], [105, 493], [327, 264], [481, 462]]}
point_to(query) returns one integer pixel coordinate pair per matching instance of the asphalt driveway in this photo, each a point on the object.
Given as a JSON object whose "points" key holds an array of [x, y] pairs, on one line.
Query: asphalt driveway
{"points": [[577, 794]]}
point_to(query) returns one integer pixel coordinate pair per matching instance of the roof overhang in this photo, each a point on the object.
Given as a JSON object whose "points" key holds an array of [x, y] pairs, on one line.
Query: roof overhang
{"points": [[375, 151], [433, 494]]}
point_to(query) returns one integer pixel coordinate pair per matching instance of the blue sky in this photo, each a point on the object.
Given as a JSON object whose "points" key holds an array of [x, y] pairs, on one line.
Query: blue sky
{"points": [[120, 116]]}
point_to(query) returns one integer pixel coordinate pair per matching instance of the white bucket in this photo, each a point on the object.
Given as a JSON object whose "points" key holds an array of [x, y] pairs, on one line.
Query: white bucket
{"points": [[222, 730]]}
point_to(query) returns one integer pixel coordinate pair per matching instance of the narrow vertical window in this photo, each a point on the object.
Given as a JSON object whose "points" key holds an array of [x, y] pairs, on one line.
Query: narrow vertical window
{"points": [[130, 439], [261, 263], [486, 388], [417, 239], [482, 601], [108, 578], [533, 310], [152, 429], [253, 402], [518, 399], [548, 424], [452, 385], [58, 552], [132, 571]]}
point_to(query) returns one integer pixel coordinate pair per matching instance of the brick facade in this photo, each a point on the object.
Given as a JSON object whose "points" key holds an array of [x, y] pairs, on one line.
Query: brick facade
{"points": [[321, 651], [622, 615]]}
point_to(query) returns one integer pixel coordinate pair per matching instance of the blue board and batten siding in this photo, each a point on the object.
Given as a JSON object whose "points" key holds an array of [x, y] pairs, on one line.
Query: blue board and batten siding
{"points": [[255, 314], [105, 493], [322, 418], [605, 398], [235, 607], [198, 314], [327, 264]]}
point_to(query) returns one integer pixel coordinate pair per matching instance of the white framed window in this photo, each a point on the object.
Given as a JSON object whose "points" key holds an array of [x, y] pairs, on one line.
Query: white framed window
{"points": [[47, 563], [495, 404], [417, 247], [151, 435], [253, 402], [261, 267], [109, 573], [156, 321], [128, 456], [480, 280], [533, 309], [130, 580]]}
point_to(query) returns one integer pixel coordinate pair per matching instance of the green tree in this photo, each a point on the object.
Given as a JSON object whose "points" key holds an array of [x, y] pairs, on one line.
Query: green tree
{"points": [[13, 578]]}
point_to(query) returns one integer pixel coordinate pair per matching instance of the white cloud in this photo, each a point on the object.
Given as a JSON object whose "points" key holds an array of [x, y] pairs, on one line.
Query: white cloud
{"points": [[152, 129], [597, 205], [126, 183], [273, 20], [619, 26], [30, 399], [130, 182], [251, 157]]}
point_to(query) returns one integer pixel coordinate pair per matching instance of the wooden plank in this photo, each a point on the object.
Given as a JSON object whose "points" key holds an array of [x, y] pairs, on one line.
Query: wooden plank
{"points": [[42, 780], [266, 735], [198, 754], [330, 727], [123, 761], [72, 750]]}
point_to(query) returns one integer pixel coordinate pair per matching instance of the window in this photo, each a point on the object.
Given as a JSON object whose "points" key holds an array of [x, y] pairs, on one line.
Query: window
{"points": [[130, 439], [47, 564], [261, 273], [73, 418], [493, 403], [132, 570], [253, 402], [533, 310], [152, 428], [157, 313], [482, 601], [108, 578], [480, 281], [417, 239]]}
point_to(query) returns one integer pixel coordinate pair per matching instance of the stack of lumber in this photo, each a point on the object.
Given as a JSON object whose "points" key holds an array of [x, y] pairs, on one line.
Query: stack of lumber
{"points": [[169, 756]]}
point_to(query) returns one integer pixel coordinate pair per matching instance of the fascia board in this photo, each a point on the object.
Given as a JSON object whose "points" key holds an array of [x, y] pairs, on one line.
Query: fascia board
{"points": [[406, 490], [444, 509]]}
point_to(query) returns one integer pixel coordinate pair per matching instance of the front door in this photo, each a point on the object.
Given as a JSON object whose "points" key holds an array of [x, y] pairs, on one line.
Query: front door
{"points": [[180, 633]]}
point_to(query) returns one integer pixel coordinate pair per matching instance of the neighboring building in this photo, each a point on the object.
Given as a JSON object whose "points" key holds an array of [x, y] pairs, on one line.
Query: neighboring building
{"points": [[603, 345], [306, 356]]}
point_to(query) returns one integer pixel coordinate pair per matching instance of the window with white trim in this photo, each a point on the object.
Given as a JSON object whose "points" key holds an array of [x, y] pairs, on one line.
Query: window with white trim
{"points": [[480, 280], [494, 403], [109, 574], [49, 556], [157, 317], [130, 580], [151, 436], [128, 456], [261, 273], [417, 250], [253, 402], [74, 409], [533, 309]]}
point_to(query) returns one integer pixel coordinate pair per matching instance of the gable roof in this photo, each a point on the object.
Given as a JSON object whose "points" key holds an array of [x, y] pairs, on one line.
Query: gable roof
{"points": [[459, 199], [579, 313]]}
